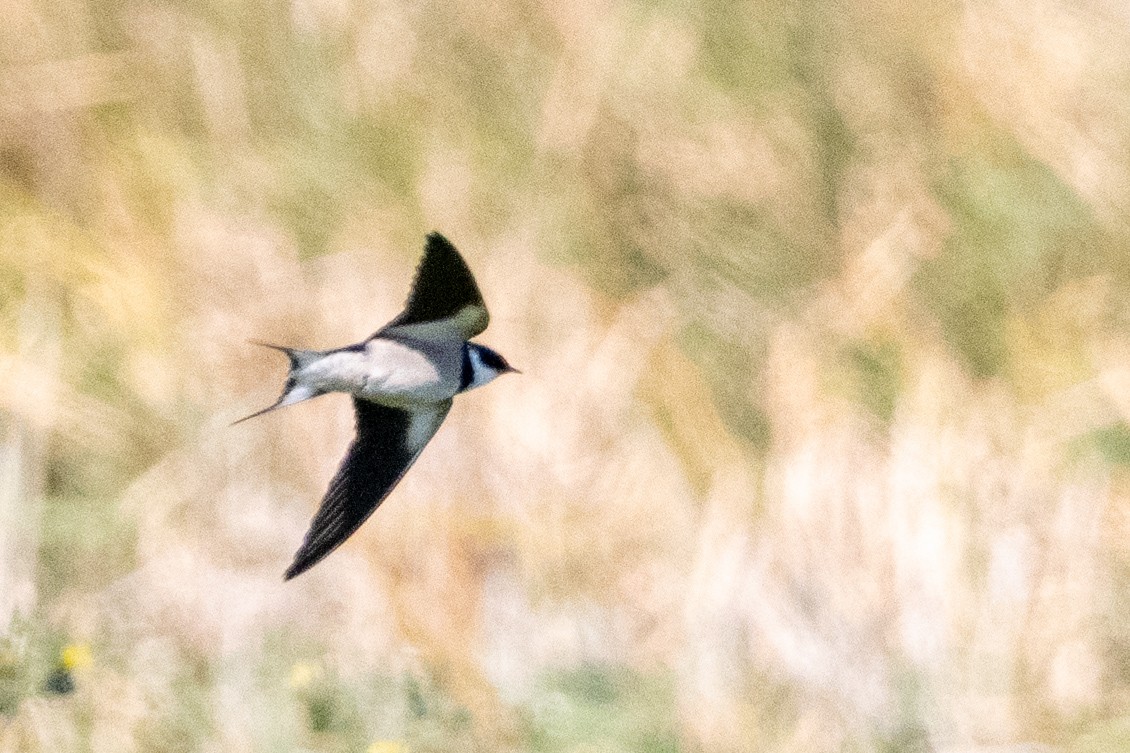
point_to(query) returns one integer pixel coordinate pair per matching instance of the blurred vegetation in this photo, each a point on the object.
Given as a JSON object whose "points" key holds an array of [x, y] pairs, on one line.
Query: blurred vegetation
{"points": [[822, 442]]}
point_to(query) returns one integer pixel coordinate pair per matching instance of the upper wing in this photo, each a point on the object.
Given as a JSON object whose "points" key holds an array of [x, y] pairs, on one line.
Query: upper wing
{"points": [[388, 441], [445, 302]]}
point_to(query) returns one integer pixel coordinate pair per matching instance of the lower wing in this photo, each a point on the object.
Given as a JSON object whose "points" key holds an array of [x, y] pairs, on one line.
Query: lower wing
{"points": [[387, 444]]}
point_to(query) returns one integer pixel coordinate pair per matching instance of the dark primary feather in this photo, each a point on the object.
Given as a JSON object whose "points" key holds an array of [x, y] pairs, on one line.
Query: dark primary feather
{"points": [[443, 286], [376, 461]]}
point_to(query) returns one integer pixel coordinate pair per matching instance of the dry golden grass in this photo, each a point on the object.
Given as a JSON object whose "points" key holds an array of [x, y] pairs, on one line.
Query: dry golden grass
{"points": [[823, 434]]}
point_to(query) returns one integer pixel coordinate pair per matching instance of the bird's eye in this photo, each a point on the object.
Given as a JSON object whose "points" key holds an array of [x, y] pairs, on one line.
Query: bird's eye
{"points": [[493, 360]]}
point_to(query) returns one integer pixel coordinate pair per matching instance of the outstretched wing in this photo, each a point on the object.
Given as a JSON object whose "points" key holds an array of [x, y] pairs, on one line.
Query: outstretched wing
{"points": [[445, 303], [388, 441]]}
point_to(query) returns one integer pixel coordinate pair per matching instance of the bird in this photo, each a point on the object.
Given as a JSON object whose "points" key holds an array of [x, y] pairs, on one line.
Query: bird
{"points": [[403, 379]]}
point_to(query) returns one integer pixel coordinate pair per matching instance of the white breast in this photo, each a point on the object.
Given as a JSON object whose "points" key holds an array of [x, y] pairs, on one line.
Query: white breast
{"points": [[402, 372], [390, 372]]}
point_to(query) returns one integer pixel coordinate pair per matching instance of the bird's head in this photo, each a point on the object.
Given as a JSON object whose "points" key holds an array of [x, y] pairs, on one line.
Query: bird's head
{"points": [[485, 365]]}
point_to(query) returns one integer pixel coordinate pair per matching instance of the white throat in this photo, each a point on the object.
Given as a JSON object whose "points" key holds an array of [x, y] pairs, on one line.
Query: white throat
{"points": [[480, 372]]}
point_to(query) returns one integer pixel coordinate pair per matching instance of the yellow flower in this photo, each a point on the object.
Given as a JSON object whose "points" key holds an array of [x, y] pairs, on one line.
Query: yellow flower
{"points": [[302, 674], [387, 746], [75, 656]]}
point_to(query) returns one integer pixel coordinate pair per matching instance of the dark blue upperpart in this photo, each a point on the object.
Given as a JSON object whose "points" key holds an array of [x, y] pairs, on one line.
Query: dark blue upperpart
{"points": [[492, 359]]}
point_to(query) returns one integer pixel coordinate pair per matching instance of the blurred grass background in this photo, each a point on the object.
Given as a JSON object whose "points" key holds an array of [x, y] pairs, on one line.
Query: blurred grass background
{"points": [[823, 441]]}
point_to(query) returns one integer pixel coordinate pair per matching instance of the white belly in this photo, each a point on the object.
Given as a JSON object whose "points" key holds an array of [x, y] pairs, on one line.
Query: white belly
{"points": [[389, 372]]}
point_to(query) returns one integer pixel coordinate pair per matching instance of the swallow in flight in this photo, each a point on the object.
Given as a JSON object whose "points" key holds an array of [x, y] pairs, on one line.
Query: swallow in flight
{"points": [[402, 380]]}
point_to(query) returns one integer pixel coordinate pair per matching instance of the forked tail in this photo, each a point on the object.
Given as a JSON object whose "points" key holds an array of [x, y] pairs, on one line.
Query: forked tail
{"points": [[294, 391]]}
